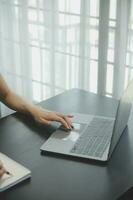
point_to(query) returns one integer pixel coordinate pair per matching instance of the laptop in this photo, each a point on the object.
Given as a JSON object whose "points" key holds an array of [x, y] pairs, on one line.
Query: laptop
{"points": [[93, 137]]}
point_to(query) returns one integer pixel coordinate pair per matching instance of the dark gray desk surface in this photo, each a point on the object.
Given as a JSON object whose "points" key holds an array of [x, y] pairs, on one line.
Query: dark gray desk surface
{"points": [[61, 178]]}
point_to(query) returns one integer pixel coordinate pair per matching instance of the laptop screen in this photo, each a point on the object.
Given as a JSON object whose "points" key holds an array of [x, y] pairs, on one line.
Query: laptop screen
{"points": [[122, 116]]}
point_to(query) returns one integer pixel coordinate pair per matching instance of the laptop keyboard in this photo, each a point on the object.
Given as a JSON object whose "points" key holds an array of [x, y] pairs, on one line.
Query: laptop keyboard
{"points": [[95, 138]]}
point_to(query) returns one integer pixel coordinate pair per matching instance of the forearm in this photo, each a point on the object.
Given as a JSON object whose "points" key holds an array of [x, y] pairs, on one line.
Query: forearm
{"points": [[17, 103], [13, 101]]}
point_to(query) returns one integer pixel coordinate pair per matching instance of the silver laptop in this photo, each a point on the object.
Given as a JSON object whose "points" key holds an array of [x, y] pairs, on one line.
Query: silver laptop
{"points": [[93, 137]]}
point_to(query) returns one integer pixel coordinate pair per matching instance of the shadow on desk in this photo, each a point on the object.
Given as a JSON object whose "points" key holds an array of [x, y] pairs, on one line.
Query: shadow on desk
{"points": [[40, 129], [128, 195], [74, 158], [25, 183]]}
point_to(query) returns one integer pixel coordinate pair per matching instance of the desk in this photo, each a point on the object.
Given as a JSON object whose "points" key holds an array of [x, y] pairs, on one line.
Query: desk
{"points": [[66, 178]]}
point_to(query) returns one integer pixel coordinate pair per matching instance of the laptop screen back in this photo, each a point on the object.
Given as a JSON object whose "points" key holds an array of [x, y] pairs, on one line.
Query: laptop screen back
{"points": [[122, 116]]}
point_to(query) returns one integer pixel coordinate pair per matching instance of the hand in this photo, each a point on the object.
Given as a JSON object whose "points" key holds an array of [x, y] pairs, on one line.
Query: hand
{"points": [[43, 116], [2, 169]]}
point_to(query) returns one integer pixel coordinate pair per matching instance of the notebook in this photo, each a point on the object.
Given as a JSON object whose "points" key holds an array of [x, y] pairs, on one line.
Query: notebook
{"points": [[18, 173]]}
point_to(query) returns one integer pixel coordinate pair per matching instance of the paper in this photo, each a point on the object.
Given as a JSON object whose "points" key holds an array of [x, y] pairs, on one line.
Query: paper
{"points": [[17, 171]]}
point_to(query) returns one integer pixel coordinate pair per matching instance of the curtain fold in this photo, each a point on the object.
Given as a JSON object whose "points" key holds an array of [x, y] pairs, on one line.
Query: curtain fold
{"points": [[49, 46], [121, 37]]}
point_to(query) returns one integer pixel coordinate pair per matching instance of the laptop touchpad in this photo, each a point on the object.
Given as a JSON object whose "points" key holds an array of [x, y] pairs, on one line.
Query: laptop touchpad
{"points": [[74, 134]]}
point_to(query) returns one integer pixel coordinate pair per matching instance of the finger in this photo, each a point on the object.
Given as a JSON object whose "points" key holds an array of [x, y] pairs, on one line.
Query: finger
{"points": [[44, 121], [62, 121], [1, 166], [63, 115], [68, 121], [70, 116], [2, 172]]}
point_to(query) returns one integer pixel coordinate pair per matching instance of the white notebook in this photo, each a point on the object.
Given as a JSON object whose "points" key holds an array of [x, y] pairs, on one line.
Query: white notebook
{"points": [[18, 173]]}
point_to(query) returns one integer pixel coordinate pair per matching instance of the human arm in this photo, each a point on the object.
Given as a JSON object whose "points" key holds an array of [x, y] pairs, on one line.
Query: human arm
{"points": [[15, 102]]}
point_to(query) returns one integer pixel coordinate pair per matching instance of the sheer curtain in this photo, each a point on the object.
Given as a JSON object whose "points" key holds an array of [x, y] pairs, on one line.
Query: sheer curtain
{"points": [[49, 46]]}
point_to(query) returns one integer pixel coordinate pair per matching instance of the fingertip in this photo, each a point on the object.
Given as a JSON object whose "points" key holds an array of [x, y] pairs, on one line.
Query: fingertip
{"points": [[70, 116], [66, 126]]}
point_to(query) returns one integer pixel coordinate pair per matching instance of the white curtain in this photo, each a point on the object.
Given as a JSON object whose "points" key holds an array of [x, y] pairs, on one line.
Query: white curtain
{"points": [[48, 46]]}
